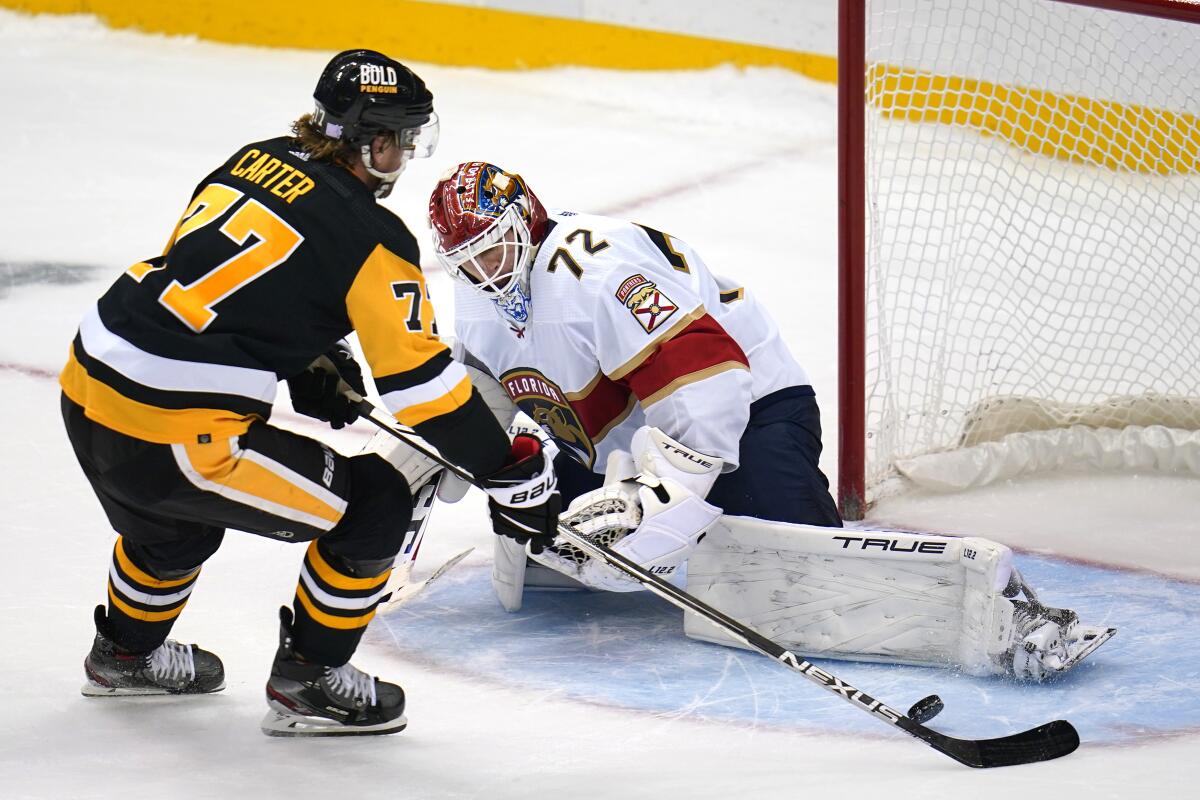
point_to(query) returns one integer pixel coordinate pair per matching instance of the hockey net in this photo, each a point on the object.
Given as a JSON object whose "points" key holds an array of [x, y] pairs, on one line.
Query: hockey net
{"points": [[1031, 251]]}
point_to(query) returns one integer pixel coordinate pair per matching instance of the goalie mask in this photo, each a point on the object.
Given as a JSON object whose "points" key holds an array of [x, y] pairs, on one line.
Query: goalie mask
{"points": [[362, 94], [487, 225]]}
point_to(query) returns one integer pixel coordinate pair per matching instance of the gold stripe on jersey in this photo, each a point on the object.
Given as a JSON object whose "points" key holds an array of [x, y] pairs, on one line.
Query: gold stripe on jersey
{"points": [[149, 423], [143, 268], [217, 463], [381, 320], [450, 401], [635, 362], [586, 390], [694, 377]]}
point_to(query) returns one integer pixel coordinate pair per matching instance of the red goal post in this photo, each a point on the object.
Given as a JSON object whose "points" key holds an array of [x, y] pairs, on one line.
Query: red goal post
{"points": [[1019, 198]]}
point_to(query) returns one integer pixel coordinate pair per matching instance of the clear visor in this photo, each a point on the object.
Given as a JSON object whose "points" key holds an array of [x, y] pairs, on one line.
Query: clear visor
{"points": [[497, 259], [421, 141]]}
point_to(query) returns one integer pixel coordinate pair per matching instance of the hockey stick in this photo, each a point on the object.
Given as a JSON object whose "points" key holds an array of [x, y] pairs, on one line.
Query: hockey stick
{"points": [[408, 591], [399, 589], [1043, 743]]}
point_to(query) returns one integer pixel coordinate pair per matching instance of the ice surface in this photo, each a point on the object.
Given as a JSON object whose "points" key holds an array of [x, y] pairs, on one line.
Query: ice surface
{"points": [[106, 134], [628, 650]]}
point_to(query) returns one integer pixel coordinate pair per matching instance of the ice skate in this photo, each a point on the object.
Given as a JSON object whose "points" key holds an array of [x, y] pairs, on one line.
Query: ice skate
{"points": [[1048, 642], [308, 699], [170, 668]]}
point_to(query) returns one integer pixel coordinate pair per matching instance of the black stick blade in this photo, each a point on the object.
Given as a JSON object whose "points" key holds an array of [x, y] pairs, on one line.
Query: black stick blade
{"points": [[1043, 743]]}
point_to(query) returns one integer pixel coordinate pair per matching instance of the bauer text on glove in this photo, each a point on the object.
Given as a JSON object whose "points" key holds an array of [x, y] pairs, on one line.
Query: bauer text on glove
{"points": [[523, 497]]}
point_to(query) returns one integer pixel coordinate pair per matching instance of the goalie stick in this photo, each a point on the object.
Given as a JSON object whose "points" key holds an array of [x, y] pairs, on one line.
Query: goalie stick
{"points": [[1043, 743]]}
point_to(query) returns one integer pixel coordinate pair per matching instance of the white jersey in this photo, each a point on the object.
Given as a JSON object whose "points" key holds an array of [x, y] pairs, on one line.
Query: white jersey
{"points": [[627, 327]]}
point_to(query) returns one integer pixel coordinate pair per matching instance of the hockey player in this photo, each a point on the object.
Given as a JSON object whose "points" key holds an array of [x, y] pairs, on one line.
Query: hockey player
{"points": [[636, 360], [281, 253], [679, 411]]}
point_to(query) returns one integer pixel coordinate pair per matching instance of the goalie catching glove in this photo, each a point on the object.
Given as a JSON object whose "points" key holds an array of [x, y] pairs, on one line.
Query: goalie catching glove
{"points": [[523, 497], [650, 510]]}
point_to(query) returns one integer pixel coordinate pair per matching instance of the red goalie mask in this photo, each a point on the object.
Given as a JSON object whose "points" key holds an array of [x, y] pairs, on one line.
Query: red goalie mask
{"points": [[487, 225]]}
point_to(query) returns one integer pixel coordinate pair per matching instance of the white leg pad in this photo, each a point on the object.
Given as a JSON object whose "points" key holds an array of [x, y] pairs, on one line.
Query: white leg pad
{"points": [[857, 594], [513, 572], [508, 572]]}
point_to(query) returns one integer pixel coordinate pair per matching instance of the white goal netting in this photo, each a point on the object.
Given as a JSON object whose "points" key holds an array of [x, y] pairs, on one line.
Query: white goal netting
{"points": [[1033, 232]]}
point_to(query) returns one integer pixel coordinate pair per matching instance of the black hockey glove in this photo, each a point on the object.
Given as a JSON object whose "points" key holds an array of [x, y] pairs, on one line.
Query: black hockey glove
{"points": [[315, 391], [523, 497]]}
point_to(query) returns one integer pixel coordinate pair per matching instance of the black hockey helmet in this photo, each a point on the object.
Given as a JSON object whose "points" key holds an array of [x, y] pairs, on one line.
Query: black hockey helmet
{"points": [[362, 93]]}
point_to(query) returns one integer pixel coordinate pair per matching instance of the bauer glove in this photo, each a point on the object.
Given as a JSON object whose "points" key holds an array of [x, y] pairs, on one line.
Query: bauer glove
{"points": [[523, 497], [316, 391]]}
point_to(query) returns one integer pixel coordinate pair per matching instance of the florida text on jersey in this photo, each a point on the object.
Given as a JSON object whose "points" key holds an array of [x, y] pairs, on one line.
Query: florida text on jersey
{"points": [[274, 259]]}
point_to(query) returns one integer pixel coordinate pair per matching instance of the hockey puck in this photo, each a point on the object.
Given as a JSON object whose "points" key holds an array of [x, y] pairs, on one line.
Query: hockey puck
{"points": [[926, 709]]}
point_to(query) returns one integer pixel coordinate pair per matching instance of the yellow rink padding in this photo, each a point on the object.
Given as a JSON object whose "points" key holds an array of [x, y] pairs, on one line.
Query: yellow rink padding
{"points": [[434, 33], [1116, 136]]}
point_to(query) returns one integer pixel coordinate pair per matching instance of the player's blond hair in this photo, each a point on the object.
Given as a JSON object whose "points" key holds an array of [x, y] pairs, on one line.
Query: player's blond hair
{"points": [[319, 146]]}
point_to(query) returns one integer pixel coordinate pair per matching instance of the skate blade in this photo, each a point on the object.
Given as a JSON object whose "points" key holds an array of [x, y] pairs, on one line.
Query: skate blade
{"points": [[90, 689], [276, 723], [1092, 637]]}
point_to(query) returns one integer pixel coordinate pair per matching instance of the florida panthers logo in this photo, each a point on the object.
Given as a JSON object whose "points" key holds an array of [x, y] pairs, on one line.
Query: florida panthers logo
{"points": [[546, 405]]}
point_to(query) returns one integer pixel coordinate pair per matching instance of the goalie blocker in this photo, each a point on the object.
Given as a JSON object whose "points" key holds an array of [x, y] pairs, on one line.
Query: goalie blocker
{"points": [[877, 595]]}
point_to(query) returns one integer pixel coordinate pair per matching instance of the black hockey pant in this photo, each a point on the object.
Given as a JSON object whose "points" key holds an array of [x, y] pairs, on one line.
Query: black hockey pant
{"points": [[171, 504]]}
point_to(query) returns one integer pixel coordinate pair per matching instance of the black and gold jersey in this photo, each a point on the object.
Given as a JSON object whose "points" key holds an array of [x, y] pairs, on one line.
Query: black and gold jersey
{"points": [[275, 258]]}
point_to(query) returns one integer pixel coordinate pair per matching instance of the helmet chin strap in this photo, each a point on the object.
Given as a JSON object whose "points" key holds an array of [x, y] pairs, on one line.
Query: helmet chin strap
{"points": [[386, 179]]}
